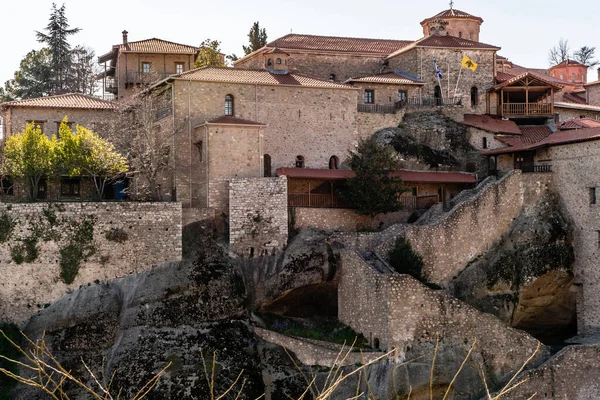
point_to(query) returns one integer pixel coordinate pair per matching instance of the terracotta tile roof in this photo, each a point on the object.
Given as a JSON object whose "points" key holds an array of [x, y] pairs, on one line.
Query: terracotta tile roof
{"points": [[576, 106], [580, 123], [395, 77], [256, 77], [571, 97], [555, 139], [338, 44], [535, 133], [491, 124], [276, 50], [517, 78], [155, 45], [69, 100], [451, 13], [230, 120], [592, 83], [405, 175], [567, 62], [449, 42]]}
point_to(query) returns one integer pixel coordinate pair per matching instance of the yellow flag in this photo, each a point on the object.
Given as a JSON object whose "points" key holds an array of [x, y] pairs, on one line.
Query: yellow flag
{"points": [[469, 64]]}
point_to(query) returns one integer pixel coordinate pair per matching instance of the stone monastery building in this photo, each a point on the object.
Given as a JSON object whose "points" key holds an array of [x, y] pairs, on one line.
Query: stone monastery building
{"points": [[269, 137]]}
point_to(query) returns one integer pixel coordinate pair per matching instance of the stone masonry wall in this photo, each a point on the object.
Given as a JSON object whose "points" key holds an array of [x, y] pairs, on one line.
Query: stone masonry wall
{"points": [[401, 312], [258, 215], [341, 219], [448, 244], [369, 123], [593, 95], [566, 114], [149, 233]]}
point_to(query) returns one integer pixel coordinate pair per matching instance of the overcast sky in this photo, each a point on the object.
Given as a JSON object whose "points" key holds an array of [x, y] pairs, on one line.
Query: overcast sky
{"points": [[525, 29]]}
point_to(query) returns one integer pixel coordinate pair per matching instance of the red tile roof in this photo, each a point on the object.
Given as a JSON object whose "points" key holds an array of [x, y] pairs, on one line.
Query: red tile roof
{"points": [[580, 123], [397, 78], [571, 97], [256, 77], [405, 175], [230, 120], [592, 83], [451, 13], [555, 139], [153, 45], [567, 62], [543, 78], [491, 124], [69, 100], [535, 133], [338, 44], [576, 106], [444, 42]]}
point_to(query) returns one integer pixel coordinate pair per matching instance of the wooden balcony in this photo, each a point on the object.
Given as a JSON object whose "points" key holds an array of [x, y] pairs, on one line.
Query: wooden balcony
{"points": [[527, 109], [311, 200]]}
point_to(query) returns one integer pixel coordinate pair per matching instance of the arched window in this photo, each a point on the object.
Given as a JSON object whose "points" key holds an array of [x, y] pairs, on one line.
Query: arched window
{"points": [[484, 143], [267, 165], [474, 96], [278, 61], [332, 77], [437, 94], [229, 105], [269, 62], [334, 162], [460, 34], [299, 161]]}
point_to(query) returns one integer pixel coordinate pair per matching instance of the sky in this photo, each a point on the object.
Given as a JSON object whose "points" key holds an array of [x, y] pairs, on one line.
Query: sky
{"points": [[524, 29]]}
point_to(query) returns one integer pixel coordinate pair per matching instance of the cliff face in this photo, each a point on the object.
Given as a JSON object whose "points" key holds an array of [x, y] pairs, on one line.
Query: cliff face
{"points": [[526, 277]]}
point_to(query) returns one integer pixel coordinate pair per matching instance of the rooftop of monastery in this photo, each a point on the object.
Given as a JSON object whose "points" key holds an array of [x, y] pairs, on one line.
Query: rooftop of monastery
{"points": [[491, 124], [568, 62], [580, 123], [69, 100], [508, 79], [444, 42], [149, 46], [338, 44], [256, 77], [405, 175], [452, 13]]}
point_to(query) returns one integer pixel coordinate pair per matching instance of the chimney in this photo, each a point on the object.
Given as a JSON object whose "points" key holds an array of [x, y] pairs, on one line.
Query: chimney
{"points": [[125, 37]]}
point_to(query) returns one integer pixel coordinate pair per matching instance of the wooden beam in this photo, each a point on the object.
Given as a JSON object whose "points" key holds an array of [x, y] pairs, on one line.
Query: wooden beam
{"points": [[521, 88]]}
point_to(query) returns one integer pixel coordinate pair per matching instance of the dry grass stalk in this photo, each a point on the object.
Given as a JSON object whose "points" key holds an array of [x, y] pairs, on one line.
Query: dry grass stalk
{"points": [[49, 375]]}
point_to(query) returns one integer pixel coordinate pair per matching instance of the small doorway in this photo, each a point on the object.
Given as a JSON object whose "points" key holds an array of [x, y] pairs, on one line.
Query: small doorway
{"points": [[524, 161], [437, 96], [42, 193]]}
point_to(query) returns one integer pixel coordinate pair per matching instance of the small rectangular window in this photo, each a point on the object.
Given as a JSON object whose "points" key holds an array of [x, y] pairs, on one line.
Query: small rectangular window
{"points": [[414, 191], [146, 67], [38, 123], [179, 68], [484, 144], [598, 233], [69, 186], [200, 150], [402, 95], [369, 96], [592, 195]]}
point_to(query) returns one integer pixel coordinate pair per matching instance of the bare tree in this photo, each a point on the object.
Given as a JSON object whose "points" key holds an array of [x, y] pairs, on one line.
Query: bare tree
{"points": [[559, 53], [585, 55], [143, 130], [84, 70]]}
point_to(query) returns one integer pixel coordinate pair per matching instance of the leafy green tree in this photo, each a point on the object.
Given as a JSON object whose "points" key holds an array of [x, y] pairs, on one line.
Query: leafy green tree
{"points": [[257, 38], [33, 79], [83, 152], [56, 39], [373, 191], [404, 260], [210, 54], [30, 155]]}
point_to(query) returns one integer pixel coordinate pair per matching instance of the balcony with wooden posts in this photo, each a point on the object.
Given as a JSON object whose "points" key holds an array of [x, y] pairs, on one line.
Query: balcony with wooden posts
{"points": [[526, 96]]}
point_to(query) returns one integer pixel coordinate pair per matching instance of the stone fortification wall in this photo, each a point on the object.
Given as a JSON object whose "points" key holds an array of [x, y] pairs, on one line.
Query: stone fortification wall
{"points": [[369, 123], [593, 95], [566, 114], [116, 239], [401, 312], [340, 219], [571, 374], [449, 241], [576, 172], [258, 215]]}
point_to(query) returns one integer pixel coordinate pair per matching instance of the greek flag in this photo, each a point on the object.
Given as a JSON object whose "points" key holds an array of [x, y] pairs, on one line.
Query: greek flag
{"points": [[437, 70]]}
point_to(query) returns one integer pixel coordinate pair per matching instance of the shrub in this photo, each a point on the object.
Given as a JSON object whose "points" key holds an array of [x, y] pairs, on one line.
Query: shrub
{"points": [[7, 224], [70, 258], [405, 261]]}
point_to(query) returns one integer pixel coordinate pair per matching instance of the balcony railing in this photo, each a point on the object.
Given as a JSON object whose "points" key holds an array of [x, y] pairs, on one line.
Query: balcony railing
{"points": [[527, 109], [332, 201], [392, 108], [536, 168]]}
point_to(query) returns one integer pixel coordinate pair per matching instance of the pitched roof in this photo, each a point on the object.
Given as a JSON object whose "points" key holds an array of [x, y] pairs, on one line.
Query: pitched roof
{"points": [[580, 123], [231, 120], [568, 62], [556, 139], [535, 133], [592, 83], [445, 42], [154, 45], [69, 100], [571, 97], [451, 13], [514, 79], [405, 175], [394, 77], [491, 124], [576, 106], [256, 77], [338, 44]]}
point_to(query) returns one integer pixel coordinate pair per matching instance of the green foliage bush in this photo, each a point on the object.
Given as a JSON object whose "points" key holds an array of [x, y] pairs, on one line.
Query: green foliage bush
{"points": [[7, 225], [117, 235], [405, 261], [70, 259]]}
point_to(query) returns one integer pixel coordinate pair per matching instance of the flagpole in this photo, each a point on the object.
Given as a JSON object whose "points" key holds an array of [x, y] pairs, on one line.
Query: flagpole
{"points": [[448, 80], [438, 73], [458, 80]]}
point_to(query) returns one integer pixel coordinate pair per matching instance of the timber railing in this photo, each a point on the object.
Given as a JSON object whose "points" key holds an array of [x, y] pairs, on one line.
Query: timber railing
{"points": [[425, 101], [536, 168], [527, 109]]}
